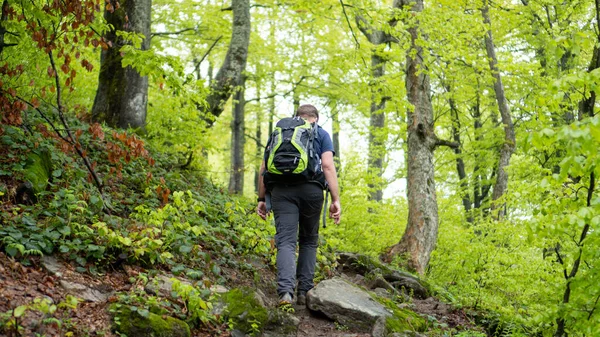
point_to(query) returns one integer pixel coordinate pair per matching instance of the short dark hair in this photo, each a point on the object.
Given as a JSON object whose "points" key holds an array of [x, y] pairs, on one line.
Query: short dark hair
{"points": [[307, 110]]}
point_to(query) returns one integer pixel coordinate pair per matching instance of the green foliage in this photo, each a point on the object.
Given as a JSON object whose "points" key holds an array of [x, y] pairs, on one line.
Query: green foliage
{"points": [[53, 315], [198, 303]]}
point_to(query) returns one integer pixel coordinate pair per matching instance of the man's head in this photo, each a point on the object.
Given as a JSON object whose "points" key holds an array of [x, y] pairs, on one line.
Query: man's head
{"points": [[308, 112]]}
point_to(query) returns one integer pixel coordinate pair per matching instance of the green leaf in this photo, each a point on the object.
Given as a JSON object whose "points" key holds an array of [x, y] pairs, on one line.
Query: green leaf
{"points": [[57, 173], [19, 311], [12, 251], [64, 230], [144, 313], [185, 249]]}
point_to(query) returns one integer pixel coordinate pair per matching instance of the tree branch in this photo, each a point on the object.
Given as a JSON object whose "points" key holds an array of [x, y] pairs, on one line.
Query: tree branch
{"points": [[188, 162], [295, 85], [444, 142], [349, 25], [258, 142], [172, 33], [73, 142], [207, 53]]}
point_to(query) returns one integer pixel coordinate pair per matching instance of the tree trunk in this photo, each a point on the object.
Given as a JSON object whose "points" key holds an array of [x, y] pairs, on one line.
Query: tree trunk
{"points": [[510, 141], [238, 140], [258, 137], [122, 95], [377, 116], [376, 130], [230, 73], [460, 164], [3, 20], [335, 137], [272, 108], [586, 110], [420, 236]]}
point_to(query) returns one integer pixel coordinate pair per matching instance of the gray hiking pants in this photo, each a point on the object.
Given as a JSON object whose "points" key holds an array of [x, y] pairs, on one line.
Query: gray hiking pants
{"points": [[297, 209]]}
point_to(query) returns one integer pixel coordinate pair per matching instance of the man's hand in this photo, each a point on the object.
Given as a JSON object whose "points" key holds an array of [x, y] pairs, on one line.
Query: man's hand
{"points": [[335, 211], [261, 210]]}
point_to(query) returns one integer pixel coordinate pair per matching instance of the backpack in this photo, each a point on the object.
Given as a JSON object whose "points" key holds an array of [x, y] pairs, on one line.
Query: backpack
{"points": [[291, 157]]}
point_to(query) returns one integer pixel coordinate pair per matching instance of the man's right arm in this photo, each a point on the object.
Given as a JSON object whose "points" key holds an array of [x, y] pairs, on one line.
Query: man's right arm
{"points": [[335, 210]]}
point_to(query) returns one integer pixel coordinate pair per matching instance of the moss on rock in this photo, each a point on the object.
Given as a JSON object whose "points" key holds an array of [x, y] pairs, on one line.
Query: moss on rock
{"points": [[243, 310], [402, 319], [132, 324]]}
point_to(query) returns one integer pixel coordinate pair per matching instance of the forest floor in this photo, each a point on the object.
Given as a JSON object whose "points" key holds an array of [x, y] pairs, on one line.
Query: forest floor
{"points": [[21, 284]]}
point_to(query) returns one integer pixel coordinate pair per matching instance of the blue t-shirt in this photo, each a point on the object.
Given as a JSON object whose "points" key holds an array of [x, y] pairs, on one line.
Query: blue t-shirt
{"points": [[323, 143]]}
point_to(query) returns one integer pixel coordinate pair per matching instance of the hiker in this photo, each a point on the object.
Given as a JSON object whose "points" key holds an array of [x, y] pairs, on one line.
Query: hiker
{"points": [[296, 204]]}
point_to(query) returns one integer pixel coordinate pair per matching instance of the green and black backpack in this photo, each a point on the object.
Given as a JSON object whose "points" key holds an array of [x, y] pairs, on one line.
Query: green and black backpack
{"points": [[291, 157]]}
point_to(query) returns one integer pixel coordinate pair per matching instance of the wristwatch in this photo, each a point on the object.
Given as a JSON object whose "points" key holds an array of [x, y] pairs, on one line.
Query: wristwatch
{"points": [[260, 199]]}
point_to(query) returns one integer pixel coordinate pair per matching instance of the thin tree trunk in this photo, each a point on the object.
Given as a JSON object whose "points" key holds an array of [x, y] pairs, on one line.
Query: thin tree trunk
{"points": [[272, 107], [420, 236], [230, 73], [335, 121], [508, 147], [377, 116], [258, 135], [238, 140], [3, 20], [122, 95], [376, 128], [586, 110], [460, 164]]}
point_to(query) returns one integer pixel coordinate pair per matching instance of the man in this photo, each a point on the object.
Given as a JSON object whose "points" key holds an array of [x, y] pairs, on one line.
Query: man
{"points": [[297, 208]]}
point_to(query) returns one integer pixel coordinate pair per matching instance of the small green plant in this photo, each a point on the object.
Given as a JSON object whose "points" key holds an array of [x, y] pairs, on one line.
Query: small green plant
{"points": [[53, 315], [197, 303], [287, 308], [340, 326]]}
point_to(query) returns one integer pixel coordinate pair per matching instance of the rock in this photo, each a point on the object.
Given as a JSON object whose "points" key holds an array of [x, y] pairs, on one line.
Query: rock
{"points": [[281, 324], [407, 334], [84, 292], [404, 321], [382, 293], [237, 333], [260, 297], [358, 279], [379, 328], [218, 289], [133, 324], [51, 264], [402, 281], [163, 284], [346, 304], [407, 283], [240, 307]]}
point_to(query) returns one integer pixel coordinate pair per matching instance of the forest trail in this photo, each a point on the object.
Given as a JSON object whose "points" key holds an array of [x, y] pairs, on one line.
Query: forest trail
{"points": [[54, 280]]}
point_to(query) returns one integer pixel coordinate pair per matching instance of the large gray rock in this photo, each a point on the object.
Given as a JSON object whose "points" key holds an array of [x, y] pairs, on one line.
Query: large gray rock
{"points": [[347, 304]]}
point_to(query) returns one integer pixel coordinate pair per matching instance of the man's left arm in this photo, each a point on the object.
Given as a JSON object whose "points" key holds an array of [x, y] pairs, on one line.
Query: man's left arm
{"points": [[261, 208], [335, 210]]}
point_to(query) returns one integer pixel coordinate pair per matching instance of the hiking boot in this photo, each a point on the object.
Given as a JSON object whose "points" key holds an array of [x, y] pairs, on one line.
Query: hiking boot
{"points": [[301, 300], [285, 299]]}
